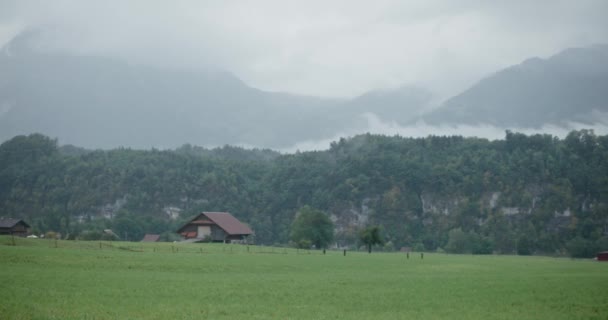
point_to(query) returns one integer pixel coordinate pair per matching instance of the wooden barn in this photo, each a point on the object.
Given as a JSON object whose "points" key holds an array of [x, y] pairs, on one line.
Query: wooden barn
{"points": [[216, 227], [602, 256], [15, 227]]}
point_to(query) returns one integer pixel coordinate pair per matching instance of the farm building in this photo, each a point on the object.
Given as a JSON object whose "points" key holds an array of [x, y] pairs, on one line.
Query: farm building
{"points": [[16, 227], [602, 256], [150, 238], [215, 226]]}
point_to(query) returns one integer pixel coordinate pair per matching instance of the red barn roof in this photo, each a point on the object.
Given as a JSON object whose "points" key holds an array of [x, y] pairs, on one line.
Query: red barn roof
{"points": [[229, 223], [9, 222], [224, 220]]}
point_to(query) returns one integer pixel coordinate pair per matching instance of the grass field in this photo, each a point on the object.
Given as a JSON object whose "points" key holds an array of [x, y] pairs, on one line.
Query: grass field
{"points": [[93, 280]]}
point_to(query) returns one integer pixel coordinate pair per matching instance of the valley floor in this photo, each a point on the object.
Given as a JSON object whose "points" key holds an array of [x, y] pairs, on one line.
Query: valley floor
{"points": [[44, 279]]}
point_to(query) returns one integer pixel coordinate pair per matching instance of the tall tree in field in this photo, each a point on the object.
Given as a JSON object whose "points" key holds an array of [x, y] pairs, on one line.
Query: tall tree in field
{"points": [[312, 227], [371, 236]]}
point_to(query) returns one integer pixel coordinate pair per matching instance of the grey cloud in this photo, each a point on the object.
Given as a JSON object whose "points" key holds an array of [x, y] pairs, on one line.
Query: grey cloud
{"points": [[337, 48]]}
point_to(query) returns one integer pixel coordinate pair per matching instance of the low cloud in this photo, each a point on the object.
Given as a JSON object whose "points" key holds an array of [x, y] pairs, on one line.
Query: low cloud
{"points": [[337, 48], [375, 125]]}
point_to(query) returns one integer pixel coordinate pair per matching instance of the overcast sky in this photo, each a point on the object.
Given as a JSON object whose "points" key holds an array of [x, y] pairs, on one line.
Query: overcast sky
{"points": [[326, 48]]}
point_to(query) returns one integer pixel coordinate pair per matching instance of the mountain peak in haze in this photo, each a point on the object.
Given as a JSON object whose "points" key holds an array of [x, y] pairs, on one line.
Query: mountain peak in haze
{"points": [[570, 86]]}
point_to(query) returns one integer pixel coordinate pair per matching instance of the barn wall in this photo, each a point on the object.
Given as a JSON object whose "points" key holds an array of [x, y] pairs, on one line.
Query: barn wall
{"points": [[217, 233], [189, 228], [18, 230]]}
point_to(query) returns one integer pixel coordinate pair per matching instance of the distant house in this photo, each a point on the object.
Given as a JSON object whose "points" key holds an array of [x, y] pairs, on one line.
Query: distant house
{"points": [[215, 226], [150, 238], [15, 227], [602, 256]]}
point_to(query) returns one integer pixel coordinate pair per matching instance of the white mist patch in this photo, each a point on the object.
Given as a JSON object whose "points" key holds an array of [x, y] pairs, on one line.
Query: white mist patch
{"points": [[5, 107], [491, 132], [312, 145], [376, 125], [7, 32]]}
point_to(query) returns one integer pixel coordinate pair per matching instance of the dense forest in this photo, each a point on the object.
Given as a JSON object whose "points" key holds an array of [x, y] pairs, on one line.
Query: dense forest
{"points": [[534, 194]]}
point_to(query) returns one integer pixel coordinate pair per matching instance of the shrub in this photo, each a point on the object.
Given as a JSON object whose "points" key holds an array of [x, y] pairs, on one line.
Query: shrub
{"points": [[51, 235], [303, 244], [312, 226]]}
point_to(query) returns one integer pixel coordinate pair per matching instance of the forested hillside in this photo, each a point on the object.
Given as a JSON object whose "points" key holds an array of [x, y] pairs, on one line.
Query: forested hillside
{"points": [[524, 194]]}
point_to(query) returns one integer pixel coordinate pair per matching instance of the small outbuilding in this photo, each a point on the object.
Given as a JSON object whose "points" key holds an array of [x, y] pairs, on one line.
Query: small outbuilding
{"points": [[216, 227], [150, 238], [15, 227], [602, 256]]}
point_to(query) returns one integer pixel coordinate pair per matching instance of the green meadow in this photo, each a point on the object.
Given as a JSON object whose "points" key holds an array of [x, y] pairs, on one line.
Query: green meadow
{"points": [[46, 279]]}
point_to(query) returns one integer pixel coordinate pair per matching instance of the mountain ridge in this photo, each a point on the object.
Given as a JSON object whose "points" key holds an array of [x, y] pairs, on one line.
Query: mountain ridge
{"points": [[566, 87], [100, 102]]}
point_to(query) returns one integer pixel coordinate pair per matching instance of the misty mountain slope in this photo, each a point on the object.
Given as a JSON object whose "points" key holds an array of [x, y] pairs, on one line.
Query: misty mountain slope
{"points": [[100, 102], [400, 105], [569, 86]]}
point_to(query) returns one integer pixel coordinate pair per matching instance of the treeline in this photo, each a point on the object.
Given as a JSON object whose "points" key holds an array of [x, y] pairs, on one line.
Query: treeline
{"points": [[525, 194]]}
